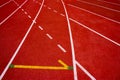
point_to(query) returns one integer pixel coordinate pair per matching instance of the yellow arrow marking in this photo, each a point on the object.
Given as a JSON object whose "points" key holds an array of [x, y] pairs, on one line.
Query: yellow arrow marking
{"points": [[64, 66]]}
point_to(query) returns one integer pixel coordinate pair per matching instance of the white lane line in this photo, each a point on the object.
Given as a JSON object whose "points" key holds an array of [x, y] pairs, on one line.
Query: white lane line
{"points": [[25, 12], [40, 28], [62, 15], [34, 21], [55, 11], [5, 3], [49, 8], [99, 6], [15, 2], [94, 13], [13, 13], [49, 36], [85, 71], [71, 43], [116, 43], [21, 43], [109, 2], [29, 16], [61, 48]]}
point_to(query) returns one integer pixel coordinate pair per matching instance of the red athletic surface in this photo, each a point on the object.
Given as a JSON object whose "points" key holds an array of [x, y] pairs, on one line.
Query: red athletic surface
{"points": [[99, 56]]}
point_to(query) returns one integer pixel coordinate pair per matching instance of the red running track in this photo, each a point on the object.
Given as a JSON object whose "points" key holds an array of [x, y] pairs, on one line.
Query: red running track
{"points": [[96, 41]]}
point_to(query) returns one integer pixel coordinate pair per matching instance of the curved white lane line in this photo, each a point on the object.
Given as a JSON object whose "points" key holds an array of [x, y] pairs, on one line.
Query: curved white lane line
{"points": [[72, 44], [94, 13], [12, 13], [21, 43], [5, 3]]}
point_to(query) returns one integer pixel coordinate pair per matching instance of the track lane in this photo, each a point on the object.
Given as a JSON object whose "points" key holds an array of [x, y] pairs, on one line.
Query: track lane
{"points": [[6, 10], [102, 3], [104, 12], [101, 25], [96, 54]]}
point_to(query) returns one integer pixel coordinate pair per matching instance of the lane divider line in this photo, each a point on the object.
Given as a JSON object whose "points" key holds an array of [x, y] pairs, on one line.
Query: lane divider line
{"points": [[12, 13], [49, 8], [94, 13], [21, 43], [25, 12], [63, 67], [61, 48], [62, 15], [5, 3], [85, 71], [15, 2], [55, 11], [49, 36], [40, 28], [71, 43], [29, 16]]}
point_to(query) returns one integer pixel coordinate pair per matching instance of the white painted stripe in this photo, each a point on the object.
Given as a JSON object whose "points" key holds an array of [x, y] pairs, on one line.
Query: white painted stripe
{"points": [[85, 71], [55, 11], [40, 27], [116, 43], [109, 2], [49, 36], [21, 43], [5, 3], [99, 6], [49, 8], [15, 2], [22, 9], [62, 14], [45, 6], [61, 48], [29, 16], [13, 13], [94, 13], [71, 41], [25, 12]]}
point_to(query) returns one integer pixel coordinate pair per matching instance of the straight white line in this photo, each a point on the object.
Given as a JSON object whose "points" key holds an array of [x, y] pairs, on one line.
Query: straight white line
{"points": [[29, 16], [85, 71], [72, 44], [49, 36], [94, 13], [61, 48], [116, 43], [13, 13], [21, 43], [99, 6], [109, 2], [49, 8], [62, 14], [40, 28], [5, 3], [15, 2], [55, 11]]}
